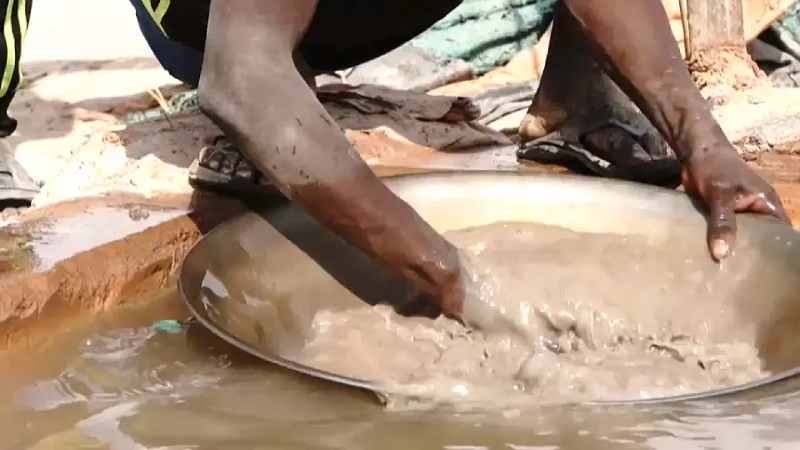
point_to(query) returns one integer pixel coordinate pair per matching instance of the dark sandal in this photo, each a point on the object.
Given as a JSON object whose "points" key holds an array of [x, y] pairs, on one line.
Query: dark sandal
{"points": [[221, 168], [580, 157]]}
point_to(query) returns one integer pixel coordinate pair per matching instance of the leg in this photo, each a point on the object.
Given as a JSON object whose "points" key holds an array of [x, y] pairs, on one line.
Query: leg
{"points": [[634, 45], [341, 34], [251, 88], [219, 166], [578, 103]]}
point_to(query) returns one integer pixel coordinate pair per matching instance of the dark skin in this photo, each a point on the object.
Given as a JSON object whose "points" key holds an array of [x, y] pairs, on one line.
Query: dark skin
{"points": [[641, 56], [252, 88]]}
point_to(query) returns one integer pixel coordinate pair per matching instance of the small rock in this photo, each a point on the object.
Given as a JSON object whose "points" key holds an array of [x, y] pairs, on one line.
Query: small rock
{"points": [[138, 213]]}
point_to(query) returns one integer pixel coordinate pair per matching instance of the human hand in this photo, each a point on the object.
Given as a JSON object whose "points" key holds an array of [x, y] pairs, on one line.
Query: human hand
{"points": [[726, 185]]}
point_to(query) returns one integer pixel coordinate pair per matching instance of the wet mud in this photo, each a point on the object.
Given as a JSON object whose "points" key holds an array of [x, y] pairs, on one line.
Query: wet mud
{"points": [[556, 320], [75, 259]]}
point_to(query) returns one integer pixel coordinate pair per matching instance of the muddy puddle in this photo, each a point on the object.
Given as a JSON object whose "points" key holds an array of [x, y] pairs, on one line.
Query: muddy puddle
{"points": [[116, 382]]}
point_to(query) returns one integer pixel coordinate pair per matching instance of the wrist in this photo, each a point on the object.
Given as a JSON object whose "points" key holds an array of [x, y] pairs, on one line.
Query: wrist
{"points": [[700, 140], [434, 270], [697, 153]]}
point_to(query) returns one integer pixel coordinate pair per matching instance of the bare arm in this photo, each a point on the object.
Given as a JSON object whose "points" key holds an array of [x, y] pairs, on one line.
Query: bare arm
{"points": [[251, 88], [638, 50]]}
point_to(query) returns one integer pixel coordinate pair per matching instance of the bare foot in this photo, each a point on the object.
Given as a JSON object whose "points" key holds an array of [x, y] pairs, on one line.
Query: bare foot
{"points": [[578, 103]]}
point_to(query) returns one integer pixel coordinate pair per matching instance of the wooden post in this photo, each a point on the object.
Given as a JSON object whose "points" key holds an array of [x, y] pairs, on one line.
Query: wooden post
{"points": [[713, 24], [715, 44]]}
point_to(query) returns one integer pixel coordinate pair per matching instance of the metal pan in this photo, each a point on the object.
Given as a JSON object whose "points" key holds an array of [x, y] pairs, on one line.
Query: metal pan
{"points": [[257, 280]]}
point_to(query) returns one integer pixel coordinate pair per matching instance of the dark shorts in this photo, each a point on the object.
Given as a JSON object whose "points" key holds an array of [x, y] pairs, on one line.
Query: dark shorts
{"points": [[180, 60], [343, 33]]}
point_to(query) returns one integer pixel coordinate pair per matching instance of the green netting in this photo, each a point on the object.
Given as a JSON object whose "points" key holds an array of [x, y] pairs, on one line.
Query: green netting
{"points": [[488, 33]]}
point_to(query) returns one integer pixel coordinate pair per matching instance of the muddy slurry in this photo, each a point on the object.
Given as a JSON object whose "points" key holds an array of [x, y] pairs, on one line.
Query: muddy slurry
{"points": [[554, 316]]}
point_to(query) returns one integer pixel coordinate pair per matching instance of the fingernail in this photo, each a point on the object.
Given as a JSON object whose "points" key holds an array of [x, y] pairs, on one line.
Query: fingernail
{"points": [[720, 249]]}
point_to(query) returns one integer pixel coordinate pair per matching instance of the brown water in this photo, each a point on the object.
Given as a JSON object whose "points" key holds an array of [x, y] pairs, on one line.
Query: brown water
{"points": [[115, 383]]}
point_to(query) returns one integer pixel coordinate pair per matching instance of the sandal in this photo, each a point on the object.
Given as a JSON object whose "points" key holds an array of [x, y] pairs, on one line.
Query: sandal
{"points": [[587, 157], [221, 168]]}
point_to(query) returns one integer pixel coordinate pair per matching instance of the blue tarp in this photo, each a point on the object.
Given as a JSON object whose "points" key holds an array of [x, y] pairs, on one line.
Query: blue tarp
{"points": [[791, 21], [488, 33]]}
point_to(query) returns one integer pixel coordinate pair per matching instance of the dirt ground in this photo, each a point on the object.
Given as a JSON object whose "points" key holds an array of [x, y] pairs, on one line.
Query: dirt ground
{"points": [[86, 65], [83, 61]]}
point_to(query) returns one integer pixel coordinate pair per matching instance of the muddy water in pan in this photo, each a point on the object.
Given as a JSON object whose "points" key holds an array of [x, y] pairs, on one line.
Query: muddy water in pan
{"points": [[566, 322], [117, 383]]}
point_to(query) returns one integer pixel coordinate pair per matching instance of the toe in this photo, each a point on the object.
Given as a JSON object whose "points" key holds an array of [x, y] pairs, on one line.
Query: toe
{"points": [[214, 160], [229, 162], [533, 127], [245, 170]]}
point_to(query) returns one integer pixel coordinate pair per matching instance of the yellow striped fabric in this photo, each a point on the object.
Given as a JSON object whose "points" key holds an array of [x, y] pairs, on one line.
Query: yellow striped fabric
{"points": [[11, 49], [22, 18], [159, 13]]}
